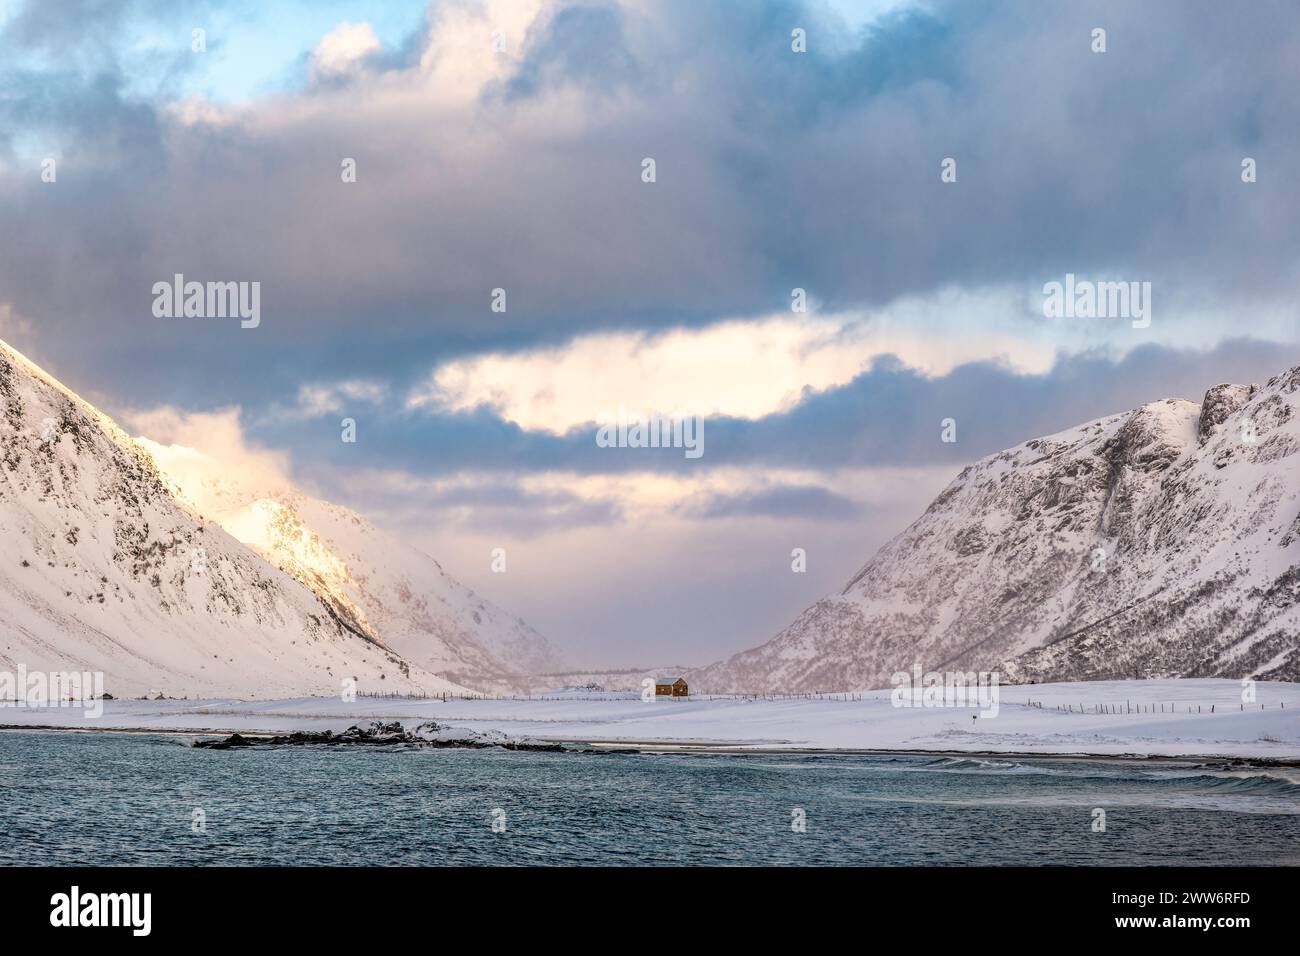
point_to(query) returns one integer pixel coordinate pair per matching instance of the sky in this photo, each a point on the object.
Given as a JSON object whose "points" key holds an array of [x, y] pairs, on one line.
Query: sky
{"points": [[918, 173]]}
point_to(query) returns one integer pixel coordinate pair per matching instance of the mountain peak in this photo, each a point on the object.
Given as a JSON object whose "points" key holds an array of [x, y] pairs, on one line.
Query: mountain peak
{"points": [[1159, 542], [108, 567]]}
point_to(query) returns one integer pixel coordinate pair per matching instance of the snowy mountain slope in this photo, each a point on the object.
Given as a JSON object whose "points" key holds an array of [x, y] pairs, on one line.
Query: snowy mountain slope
{"points": [[385, 587], [102, 568], [1160, 542]]}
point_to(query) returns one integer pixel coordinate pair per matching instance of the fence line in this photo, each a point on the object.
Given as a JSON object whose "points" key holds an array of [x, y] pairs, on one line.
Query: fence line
{"points": [[1156, 707], [1112, 708]]}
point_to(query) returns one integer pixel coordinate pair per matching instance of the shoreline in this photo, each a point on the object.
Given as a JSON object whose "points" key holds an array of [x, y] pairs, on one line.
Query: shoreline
{"points": [[725, 748], [1191, 720]]}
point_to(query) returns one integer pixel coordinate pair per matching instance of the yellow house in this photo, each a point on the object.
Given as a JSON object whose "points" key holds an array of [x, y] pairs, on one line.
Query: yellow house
{"points": [[671, 687]]}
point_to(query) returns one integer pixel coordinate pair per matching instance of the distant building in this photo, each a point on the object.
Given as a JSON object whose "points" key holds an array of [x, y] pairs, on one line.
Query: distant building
{"points": [[671, 687]]}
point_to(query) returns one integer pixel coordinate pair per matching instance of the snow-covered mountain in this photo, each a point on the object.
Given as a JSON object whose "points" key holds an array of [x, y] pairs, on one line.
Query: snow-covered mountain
{"points": [[380, 585], [1161, 542], [103, 568]]}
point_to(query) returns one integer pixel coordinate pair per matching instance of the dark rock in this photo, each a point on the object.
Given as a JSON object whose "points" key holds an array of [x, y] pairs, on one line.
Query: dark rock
{"points": [[234, 740], [378, 734], [1220, 402]]}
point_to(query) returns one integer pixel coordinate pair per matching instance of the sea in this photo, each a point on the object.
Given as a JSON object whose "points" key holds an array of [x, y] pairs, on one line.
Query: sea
{"points": [[107, 798]]}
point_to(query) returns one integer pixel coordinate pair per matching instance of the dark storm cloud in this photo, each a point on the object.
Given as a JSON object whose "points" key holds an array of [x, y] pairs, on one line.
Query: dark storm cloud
{"points": [[774, 170], [782, 501], [888, 416], [892, 415], [584, 45], [494, 506]]}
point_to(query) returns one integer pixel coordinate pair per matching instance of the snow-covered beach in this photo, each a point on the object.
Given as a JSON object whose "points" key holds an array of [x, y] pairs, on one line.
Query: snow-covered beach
{"points": [[1155, 718]]}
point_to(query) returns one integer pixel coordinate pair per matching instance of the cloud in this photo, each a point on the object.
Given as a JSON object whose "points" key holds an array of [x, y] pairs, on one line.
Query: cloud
{"points": [[892, 415], [343, 51], [194, 447], [756, 367], [473, 502], [13, 327], [520, 169], [739, 368], [887, 415], [664, 585], [582, 45], [326, 398], [785, 501]]}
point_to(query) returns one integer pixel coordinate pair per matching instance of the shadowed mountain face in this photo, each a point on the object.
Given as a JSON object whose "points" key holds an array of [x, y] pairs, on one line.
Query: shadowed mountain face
{"points": [[106, 566], [1162, 542]]}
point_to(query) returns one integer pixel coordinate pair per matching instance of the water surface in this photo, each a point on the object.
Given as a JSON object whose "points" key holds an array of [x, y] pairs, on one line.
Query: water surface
{"points": [[107, 798]]}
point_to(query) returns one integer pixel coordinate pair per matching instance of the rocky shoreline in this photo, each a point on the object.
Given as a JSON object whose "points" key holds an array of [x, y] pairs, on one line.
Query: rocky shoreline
{"points": [[428, 734]]}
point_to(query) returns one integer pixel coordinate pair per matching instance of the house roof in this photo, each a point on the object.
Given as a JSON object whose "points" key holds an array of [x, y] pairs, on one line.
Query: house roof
{"points": [[669, 680]]}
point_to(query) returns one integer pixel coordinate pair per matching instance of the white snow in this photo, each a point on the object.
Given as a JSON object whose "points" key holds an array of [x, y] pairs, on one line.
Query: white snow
{"points": [[102, 569], [1158, 543], [396, 593], [194, 582], [1268, 727]]}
